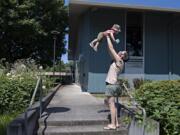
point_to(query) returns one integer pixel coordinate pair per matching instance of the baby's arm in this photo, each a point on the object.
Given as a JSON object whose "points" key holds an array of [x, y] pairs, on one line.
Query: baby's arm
{"points": [[113, 38]]}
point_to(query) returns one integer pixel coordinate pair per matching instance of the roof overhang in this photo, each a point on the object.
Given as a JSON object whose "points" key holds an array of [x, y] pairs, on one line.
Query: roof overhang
{"points": [[159, 5]]}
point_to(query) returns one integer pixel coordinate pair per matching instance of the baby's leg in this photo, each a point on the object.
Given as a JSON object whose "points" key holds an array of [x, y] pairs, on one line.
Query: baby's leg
{"points": [[93, 42], [96, 41], [96, 46]]}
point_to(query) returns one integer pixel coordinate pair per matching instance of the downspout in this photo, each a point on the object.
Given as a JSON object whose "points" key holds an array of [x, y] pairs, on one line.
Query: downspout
{"points": [[125, 29], [169, 34], [143, 40], [170, 42]]}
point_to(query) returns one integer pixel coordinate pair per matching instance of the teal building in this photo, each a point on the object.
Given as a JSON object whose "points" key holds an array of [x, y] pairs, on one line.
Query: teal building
{"points": [[150, 33]]}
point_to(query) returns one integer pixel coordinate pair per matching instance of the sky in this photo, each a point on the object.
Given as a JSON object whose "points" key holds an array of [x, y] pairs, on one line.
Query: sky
{"points": [[66, 2], [65, 56]]}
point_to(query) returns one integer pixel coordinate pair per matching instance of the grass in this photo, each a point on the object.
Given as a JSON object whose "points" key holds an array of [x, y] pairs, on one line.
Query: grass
{"points": [[4, 121]]}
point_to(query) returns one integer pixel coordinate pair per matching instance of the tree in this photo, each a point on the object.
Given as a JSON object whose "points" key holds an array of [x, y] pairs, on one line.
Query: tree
{"points": [[25, 29]]}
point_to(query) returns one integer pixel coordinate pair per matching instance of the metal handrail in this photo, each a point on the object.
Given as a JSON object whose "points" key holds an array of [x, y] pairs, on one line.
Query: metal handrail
{"points": [[38, 87], [35, 91], [137, 105]]}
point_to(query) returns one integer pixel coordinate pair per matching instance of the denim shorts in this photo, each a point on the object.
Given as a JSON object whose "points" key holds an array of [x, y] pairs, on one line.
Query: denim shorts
{"points": [[113, 90]]}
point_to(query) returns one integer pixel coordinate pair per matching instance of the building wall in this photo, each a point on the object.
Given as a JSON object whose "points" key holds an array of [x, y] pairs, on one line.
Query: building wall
{"points": [[100, 20], [175, 40], [161, 49], [156, 43], [83, 51], [161, 46]]}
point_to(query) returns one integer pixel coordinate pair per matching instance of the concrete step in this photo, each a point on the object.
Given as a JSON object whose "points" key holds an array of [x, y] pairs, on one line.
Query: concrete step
{"points": [[73, 122], [80, 130]]}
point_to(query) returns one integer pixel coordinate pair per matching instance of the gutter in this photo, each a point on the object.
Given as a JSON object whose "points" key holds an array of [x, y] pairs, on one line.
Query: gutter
{"points": [[120, 5]]}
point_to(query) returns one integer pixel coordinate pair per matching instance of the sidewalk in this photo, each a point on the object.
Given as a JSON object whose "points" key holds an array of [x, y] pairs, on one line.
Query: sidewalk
{"points": [[69, 103], [76, 112]]}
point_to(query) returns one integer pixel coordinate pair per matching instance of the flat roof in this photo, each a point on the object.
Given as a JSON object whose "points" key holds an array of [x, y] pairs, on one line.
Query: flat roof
{"points": [[160, 5]]}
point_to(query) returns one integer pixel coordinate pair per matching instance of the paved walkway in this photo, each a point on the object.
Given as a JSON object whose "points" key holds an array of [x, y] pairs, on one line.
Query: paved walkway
{"points": [[70, 103], [72, 110]]}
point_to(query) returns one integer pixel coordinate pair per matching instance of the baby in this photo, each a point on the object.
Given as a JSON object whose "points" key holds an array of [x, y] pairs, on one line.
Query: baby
{"points": [[114, 30]]}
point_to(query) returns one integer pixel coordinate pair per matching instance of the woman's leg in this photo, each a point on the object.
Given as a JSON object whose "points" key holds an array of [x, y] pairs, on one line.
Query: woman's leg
{"points": [[117, 123], [111, 105], [112, 111]]}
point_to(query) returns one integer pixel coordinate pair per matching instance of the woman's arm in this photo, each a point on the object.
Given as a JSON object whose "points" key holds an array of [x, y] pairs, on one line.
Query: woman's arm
{"points": [[112, 51]]}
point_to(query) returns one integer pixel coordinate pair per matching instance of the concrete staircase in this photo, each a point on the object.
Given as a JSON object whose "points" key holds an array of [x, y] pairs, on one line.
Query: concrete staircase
{"points": [[72, 112], [78, 128]]}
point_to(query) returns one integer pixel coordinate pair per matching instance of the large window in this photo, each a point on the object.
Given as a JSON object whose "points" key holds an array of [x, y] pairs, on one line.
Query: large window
{"points": [[134, 43], [134, 34]]}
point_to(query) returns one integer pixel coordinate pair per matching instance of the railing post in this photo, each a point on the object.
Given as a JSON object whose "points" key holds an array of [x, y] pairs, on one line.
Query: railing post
{"points": [[138, 106], [41, 92], [40, 97], [38, 86], [26, 122]]}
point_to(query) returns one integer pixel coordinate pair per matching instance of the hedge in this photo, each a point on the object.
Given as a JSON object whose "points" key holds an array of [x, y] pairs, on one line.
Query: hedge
{"points": [[15, 93], [161, 99]]}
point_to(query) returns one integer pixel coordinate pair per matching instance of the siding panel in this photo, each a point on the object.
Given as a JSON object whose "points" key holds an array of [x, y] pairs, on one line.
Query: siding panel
{"points": [[101, 20], [156, 43]]}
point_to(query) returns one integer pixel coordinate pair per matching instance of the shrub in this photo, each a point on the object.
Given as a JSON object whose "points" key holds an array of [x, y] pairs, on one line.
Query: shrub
{"points": [[162, 103], [137, 82], [122, 91], [121, 81], [48, 83], [17, 83], [15, 92]]}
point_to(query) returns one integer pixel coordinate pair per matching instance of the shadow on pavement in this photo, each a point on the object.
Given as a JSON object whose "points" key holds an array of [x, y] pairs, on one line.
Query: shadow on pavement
{"points": [[57, 110], [50, 110]]}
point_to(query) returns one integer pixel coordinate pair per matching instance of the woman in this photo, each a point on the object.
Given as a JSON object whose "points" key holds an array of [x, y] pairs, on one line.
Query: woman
{"points": [[115, 69]]}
